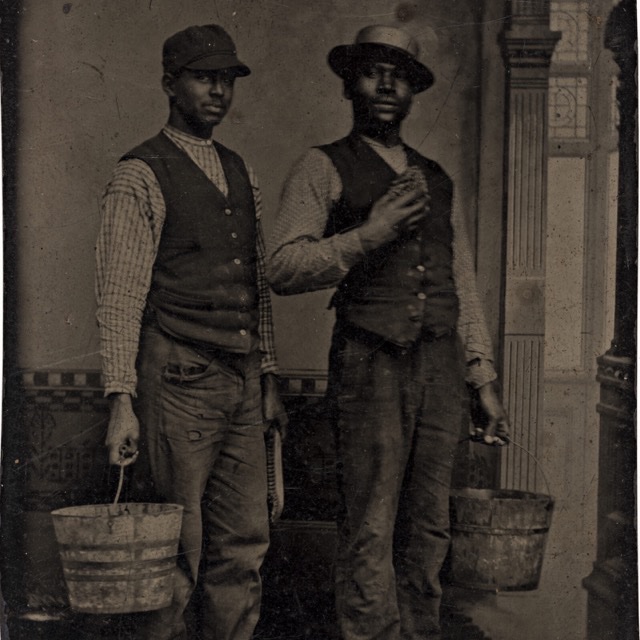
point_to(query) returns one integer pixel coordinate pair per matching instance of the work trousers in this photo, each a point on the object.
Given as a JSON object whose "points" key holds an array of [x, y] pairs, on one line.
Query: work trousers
{"points": [[399, 414], [202, 430]]}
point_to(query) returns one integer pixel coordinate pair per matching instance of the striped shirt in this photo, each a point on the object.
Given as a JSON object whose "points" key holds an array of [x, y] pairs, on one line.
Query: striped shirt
{"points": [[133, 214], [301, 259]]}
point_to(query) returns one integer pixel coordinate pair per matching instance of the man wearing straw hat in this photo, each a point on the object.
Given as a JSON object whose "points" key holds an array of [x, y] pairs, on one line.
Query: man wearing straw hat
{"points": [[185, 321], [371, 216]]}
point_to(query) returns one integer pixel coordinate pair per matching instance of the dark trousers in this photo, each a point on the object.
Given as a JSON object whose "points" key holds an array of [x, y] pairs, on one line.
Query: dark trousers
{"points": [[201, 416], [399, 417]]}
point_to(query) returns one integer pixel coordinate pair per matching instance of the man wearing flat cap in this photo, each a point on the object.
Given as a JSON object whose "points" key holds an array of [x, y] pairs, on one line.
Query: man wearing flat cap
{"points": [[185, 323], [371, 216]]}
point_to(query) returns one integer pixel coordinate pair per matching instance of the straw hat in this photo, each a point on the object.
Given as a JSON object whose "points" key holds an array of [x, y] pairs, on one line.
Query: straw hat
{"points": [[384, 43]]}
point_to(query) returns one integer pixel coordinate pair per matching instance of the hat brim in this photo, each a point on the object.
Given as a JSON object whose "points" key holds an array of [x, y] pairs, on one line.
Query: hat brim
{"points": [[219, 62], [343, 59]]}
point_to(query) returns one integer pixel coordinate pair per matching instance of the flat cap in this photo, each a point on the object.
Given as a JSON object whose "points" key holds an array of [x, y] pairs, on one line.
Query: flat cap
{"points": [[207, 48]]}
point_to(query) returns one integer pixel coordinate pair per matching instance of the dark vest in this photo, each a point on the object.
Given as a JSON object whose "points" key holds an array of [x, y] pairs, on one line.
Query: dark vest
{"points": [[204, 283], [405, 288]]}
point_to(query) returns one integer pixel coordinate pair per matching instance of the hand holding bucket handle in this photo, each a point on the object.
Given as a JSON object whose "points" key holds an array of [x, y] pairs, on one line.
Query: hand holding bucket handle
{"points": [[123, 431], [496, 431]]}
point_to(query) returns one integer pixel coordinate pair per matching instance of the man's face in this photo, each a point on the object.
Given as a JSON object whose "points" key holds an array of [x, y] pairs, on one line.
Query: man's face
{"points": [[199, 99], [381, 94]]}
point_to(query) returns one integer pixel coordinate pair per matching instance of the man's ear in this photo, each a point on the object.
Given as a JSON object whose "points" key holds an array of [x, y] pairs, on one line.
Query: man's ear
{"points": [[168, 80]]}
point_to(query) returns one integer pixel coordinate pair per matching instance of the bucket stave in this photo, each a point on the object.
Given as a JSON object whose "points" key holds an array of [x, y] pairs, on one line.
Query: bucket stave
{"points": [[498, 538], [118, 558]]}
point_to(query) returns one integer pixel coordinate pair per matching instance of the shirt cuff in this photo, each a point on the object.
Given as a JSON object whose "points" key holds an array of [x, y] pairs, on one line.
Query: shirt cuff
{"points": [[480, 372], [350, 251], [119, 387], [269, 365]]}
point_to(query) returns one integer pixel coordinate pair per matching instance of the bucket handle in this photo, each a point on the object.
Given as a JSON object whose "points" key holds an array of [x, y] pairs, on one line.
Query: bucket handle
{"points": [[513, 442], [120, 483], [115, 511], [542, 473]]}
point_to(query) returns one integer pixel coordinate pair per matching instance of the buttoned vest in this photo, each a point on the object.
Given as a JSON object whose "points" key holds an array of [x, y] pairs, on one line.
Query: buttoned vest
{"points": [[204, 283], [403, 289]]}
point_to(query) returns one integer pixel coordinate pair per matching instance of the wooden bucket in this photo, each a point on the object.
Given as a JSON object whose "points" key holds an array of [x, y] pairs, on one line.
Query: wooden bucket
{"points": [[498, 538], [118, 558]]}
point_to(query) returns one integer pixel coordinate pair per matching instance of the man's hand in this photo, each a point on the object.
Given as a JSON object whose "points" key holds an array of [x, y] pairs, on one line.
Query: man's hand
{"points": [[123, 432], [273, 410], [496, 432], [391, 216]]}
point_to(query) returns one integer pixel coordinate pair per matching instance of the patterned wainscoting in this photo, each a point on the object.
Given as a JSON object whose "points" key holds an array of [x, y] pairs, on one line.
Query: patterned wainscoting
{"points": [[54, 456]]}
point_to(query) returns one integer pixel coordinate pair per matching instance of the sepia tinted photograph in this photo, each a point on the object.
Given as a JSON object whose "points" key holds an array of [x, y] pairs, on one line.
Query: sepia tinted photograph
{"points": [[319, 320]]}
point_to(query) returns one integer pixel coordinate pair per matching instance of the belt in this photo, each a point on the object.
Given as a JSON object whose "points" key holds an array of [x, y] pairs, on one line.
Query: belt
{"points": [[377, 341]]}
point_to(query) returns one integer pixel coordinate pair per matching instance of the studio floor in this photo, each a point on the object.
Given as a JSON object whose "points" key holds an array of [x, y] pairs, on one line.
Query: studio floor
{"points": [[298, 600], [299, 617]]}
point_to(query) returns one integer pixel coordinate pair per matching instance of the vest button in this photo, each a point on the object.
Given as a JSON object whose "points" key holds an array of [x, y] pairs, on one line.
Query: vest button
{"points": [[422, 296], [243, 332], [234, 235], [420, 268], [227, 212], [237, 261]]}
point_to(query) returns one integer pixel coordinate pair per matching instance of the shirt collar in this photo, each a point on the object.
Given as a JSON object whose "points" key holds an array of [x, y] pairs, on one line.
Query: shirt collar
{"points": [[185, 138], [374, 143]]}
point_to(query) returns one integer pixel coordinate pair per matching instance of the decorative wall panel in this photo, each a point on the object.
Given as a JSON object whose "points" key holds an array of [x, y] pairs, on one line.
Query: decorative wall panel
{"points": [[572, 19], [528, 46], [568, 107], [566, 251]]}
